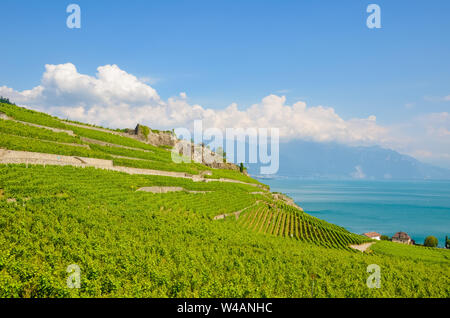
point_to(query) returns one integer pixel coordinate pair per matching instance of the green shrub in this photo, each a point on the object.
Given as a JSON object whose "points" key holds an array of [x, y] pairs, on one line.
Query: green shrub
{"points": [[144, 130], [431, 241], [385, 238]]}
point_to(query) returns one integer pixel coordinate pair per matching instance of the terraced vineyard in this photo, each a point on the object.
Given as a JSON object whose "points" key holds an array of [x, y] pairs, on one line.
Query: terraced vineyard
{"points": [[37, 183], [282, 220], [125, 151], [131, 243]]}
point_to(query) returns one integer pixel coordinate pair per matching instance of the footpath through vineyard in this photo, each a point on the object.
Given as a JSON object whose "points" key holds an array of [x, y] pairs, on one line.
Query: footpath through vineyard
{"points": [[362, 247]]}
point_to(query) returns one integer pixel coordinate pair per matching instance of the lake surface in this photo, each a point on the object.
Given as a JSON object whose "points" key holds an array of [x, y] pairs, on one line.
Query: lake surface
{"points": [[419, 208]]}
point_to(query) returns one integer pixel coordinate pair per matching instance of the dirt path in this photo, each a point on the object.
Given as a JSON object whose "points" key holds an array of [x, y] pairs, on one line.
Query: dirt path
{"points": [[168, 189], [236, 214], [362, 247]]}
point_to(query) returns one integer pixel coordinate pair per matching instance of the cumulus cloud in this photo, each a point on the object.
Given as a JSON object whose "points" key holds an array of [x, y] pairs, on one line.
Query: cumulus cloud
{"points": [[437, 98], [425, 137], [115, 98]]}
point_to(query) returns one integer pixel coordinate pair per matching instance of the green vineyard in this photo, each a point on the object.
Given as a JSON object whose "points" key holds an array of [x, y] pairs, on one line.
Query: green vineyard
{"points": [[282, 220], [17, 135], [205, 239]]}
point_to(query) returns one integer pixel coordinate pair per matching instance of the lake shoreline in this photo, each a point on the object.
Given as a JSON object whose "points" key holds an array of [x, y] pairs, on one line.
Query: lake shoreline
{"points": [[418, 207]]}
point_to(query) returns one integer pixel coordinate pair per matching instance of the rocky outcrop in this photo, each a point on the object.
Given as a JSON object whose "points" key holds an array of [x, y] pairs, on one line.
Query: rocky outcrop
{"points": [[203, 155], [153, 137], [286, 199], [162, 138], [141, 132], [196, 153]]}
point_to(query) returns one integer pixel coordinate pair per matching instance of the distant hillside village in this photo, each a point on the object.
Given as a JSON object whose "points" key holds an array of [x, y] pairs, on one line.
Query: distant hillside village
{"points": [[404, 238]]}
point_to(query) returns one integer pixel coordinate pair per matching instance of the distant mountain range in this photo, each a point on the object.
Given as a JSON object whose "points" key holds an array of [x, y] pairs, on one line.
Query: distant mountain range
{"points": [[335, 161]]}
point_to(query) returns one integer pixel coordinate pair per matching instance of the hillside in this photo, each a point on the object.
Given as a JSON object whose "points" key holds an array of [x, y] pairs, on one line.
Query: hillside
{"points": [[139, 225]]}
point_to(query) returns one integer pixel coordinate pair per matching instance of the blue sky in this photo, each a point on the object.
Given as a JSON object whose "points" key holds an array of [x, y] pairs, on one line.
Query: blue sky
{"points": [[223, 52]]}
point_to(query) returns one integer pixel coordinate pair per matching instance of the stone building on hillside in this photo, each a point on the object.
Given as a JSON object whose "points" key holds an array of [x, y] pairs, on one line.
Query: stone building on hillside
{"points": [[402, 237]]}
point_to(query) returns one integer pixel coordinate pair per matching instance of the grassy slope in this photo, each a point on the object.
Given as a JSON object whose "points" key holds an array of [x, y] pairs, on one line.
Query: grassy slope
{"points": [[416, 253], [13, 128], [19, 143], [130, 243]]}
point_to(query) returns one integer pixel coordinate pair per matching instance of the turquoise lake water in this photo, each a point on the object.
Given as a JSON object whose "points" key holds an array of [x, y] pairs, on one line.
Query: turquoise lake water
{"points": [[419, 208]]}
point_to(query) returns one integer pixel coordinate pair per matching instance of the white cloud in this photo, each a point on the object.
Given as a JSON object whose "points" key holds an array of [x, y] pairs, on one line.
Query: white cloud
{"points": [[115, 98], [425, 137], [149, 80], [283, 91], [437, 98]]}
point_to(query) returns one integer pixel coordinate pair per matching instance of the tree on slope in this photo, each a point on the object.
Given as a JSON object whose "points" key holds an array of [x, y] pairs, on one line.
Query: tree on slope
{"points": [[431, 241]]}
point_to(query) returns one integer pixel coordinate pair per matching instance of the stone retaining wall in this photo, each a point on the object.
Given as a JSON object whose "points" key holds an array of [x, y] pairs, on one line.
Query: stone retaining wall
{"points": [[16, 157]]}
